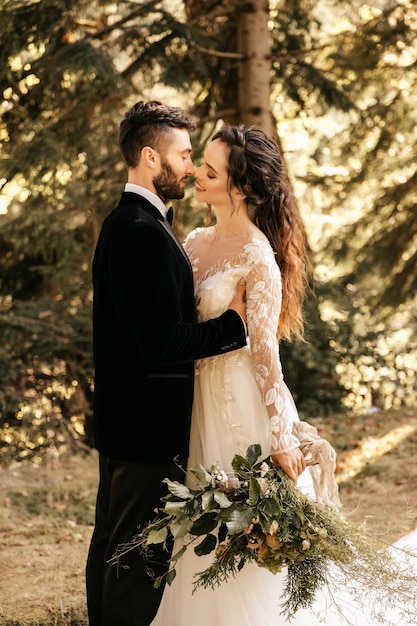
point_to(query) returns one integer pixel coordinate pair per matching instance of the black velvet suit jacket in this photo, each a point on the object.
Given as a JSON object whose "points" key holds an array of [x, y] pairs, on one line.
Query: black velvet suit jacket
{"points": [[146, 337]]}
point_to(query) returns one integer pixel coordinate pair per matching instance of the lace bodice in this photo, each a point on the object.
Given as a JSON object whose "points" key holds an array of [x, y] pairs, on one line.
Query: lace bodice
{"points": [[215, 286]]}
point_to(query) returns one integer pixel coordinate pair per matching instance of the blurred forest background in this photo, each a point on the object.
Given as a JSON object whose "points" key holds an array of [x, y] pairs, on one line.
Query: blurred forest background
{"points": [[335, 80]]}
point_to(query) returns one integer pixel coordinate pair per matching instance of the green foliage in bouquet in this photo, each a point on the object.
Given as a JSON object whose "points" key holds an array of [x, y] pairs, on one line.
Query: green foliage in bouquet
{"points": [[256, 514]]}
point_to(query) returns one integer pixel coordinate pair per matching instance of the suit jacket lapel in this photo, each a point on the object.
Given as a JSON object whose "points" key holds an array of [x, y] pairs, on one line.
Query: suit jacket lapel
{"points": [[172, 234], [132, 198]]}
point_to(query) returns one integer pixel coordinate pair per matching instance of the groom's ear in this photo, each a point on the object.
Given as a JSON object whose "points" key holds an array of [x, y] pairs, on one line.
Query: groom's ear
{"points": [[150, 157]]}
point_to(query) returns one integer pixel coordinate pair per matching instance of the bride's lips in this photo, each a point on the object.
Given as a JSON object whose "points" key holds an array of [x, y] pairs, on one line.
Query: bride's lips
{"points": [[198, 187]]}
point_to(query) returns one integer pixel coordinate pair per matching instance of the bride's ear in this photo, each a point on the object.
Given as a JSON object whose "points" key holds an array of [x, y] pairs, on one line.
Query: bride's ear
{"points": [[240, 195]]}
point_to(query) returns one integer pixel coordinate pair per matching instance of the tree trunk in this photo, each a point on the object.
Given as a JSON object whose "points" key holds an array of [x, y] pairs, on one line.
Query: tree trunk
{"points": [[254, 44]]}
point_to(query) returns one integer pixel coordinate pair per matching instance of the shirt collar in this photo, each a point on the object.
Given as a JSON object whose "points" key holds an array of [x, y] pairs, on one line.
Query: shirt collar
{"points": [[149, 195]]}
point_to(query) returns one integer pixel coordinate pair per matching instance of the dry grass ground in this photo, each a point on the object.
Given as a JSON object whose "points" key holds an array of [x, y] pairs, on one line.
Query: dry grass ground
{"points": [[46, 522], [47, 511]]}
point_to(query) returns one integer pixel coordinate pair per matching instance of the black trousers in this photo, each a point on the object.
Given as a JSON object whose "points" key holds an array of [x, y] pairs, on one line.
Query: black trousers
{"points": [[127, 497]]}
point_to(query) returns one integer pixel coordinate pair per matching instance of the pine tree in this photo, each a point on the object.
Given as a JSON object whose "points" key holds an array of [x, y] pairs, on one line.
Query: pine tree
{"points": [[342, 80]]}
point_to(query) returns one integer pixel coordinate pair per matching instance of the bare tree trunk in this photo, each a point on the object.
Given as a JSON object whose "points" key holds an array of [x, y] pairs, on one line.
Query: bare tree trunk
{"points": [[254, 75]]}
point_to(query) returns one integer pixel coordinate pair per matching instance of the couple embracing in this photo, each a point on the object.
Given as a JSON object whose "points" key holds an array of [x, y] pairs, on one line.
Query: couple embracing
{"points": [[186, 353]]}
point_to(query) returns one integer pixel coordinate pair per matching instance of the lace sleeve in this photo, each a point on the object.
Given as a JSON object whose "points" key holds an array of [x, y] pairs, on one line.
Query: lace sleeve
{"points": [[263, 288]]}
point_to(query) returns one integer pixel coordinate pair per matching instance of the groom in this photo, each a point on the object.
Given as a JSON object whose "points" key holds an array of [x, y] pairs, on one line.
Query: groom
{"points": [[146, 339]]}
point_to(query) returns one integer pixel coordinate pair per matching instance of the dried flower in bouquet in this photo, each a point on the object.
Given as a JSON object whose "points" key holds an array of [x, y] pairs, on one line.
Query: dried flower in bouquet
{"points": [[257, 514]]}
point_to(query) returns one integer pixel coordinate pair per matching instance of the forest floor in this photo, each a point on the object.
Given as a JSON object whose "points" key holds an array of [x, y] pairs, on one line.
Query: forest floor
{"points": [[47, 512]]}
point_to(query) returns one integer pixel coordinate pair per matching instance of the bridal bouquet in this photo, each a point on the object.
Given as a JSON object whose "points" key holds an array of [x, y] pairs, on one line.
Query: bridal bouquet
{"points": [[258, 515]]}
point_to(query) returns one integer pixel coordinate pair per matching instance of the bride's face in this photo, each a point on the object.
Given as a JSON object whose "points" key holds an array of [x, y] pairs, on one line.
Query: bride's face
{"points": [[211, 176]]}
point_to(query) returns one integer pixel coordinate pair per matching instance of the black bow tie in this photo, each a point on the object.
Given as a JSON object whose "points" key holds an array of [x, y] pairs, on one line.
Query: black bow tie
{"points": [[170, 215]]}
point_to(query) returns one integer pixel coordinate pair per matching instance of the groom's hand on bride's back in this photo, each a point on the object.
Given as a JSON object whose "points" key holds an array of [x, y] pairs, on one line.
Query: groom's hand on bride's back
{"points": [[238, 303]]}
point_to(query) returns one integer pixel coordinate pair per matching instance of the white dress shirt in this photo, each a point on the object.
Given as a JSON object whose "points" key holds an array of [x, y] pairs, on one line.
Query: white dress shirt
{"points": [[149, 195]]}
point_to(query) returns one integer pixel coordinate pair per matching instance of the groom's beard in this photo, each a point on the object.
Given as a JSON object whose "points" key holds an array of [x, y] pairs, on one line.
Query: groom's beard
{"points": [[167, 185]]}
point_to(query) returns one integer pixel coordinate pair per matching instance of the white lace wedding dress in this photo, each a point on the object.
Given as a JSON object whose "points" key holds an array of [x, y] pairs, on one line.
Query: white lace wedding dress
{"points": [[229, 414], [240, 399]]}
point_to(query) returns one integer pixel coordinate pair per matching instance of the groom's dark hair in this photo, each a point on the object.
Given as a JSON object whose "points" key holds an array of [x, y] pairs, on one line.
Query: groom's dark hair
{"points": [[150, 124]]}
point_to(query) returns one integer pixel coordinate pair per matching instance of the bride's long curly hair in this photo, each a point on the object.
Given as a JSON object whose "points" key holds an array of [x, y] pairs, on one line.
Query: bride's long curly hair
{"points": [[256, 168]]}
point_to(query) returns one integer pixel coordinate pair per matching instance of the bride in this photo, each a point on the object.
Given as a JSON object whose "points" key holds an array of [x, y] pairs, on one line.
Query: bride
{"points": [[240, 397]]}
